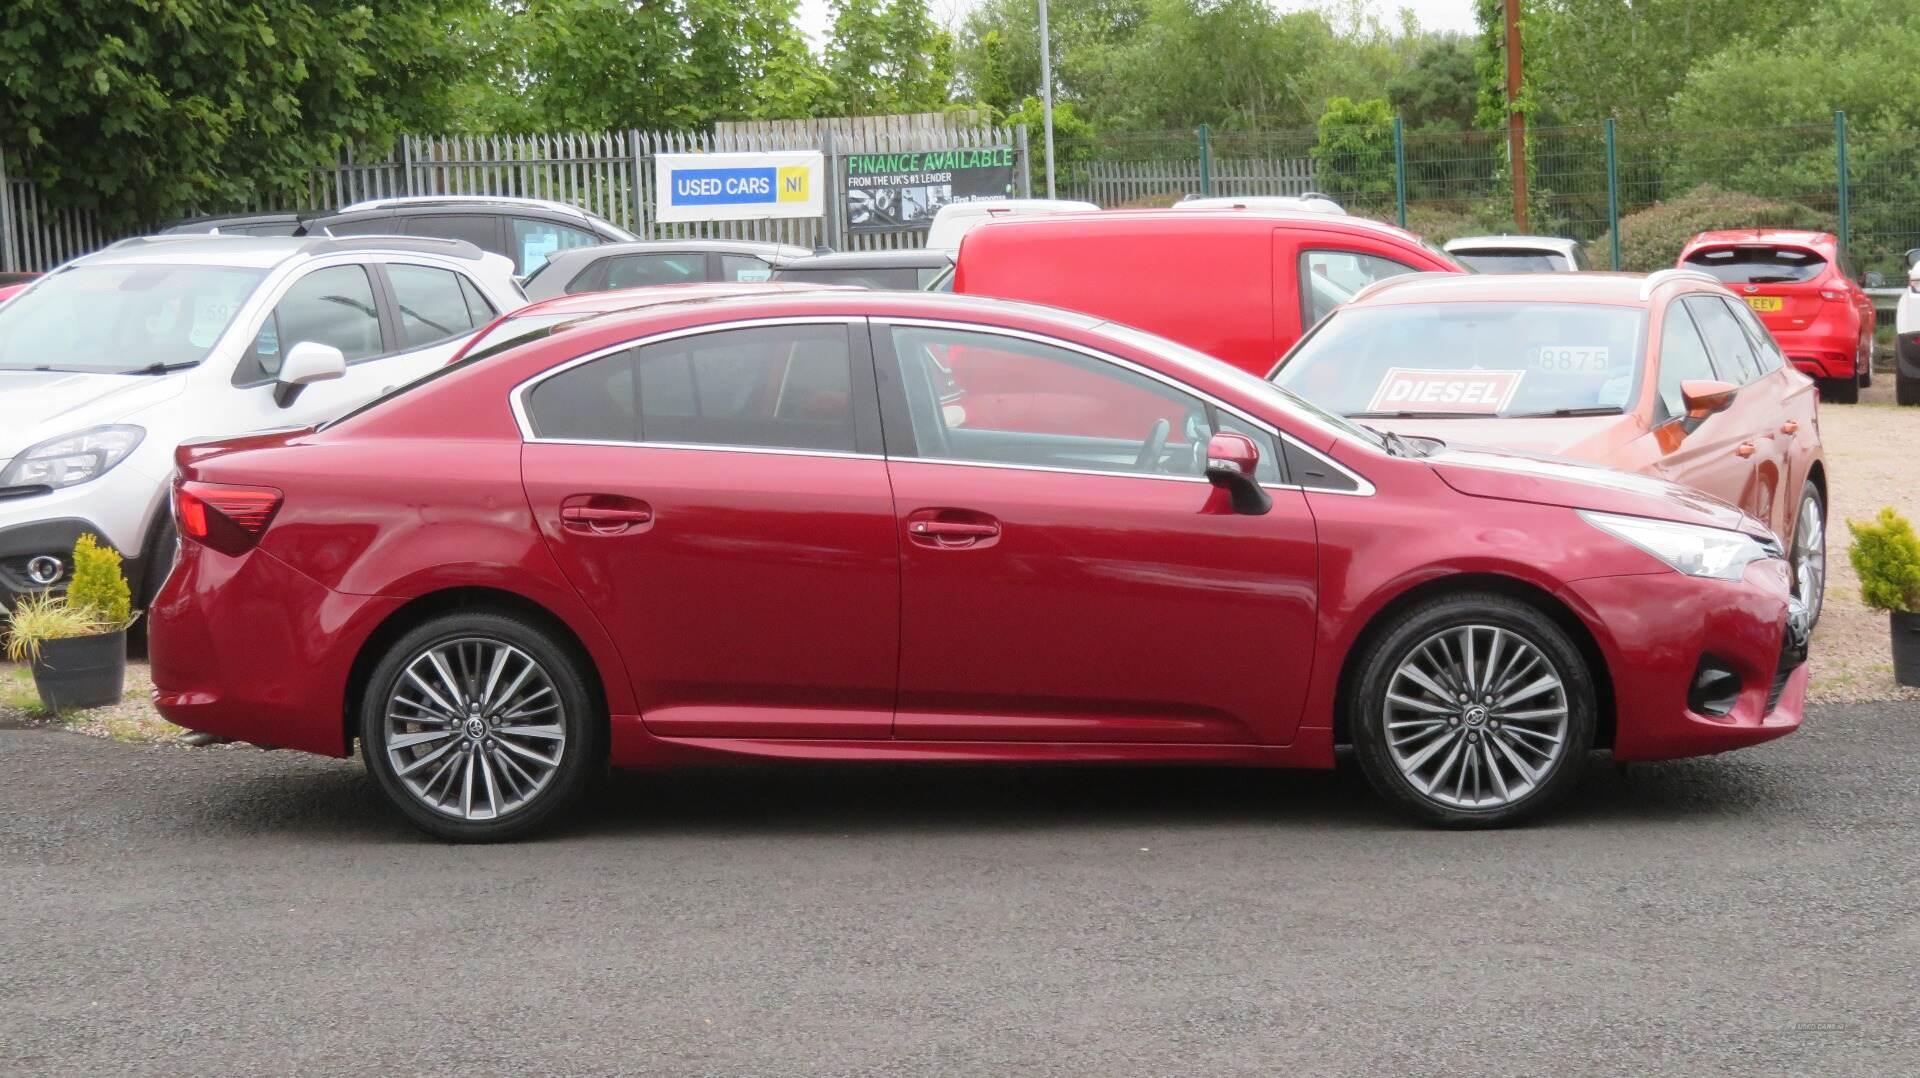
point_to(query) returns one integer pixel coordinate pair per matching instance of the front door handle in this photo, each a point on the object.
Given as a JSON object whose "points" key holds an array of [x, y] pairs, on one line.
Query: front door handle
{"points": [[1746, 449], [949, 529], [603, 514], [1790, 426]]}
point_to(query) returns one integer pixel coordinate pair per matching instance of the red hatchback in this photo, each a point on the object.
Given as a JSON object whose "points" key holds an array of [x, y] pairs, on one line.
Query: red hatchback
{"points": [[754, 527], [1804, 290]]}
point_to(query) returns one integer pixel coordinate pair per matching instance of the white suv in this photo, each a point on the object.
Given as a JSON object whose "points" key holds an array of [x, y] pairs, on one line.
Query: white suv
{"points": [[111, 361]]}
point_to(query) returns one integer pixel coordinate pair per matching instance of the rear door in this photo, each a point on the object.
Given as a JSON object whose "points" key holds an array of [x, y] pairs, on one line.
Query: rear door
{"points": [[719, 498]]}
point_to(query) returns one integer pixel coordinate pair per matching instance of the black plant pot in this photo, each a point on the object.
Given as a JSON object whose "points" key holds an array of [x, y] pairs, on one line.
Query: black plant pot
{"points": [[83, 671], [1906, 646]]}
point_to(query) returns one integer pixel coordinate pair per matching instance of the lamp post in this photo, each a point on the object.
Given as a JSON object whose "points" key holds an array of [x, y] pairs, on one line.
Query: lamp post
{"points": [[1046, 93]]}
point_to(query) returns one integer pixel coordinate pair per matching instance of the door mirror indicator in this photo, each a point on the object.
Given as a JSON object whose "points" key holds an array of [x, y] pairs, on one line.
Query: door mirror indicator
{"points": [[306, 363], [1703, 397], [1232, 460]]}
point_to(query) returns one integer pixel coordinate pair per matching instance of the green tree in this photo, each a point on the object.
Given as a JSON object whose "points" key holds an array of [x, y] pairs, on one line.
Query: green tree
{"points": [[1437, 92], [1353, 159], [142, 110]]}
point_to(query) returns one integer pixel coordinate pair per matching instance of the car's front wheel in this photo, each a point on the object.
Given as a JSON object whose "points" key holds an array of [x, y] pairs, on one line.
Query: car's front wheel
{"points": [[478, 726], [1808, 555], [1472, 710]]}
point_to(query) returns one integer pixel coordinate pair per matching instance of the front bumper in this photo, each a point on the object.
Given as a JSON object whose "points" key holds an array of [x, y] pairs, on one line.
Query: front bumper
{"points": [[1654, 631], [118, 508], [25, 548], [249, 648]]}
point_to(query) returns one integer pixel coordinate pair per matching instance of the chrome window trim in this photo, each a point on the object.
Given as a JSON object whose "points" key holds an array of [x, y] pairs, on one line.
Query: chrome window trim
{"points": [[517, 397], [1362, 486]]}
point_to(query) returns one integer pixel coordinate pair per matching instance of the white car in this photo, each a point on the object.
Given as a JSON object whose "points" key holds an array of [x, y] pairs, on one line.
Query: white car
{"points": [[111, 361], [955, 219], [1906, 338], [1519, 254]]}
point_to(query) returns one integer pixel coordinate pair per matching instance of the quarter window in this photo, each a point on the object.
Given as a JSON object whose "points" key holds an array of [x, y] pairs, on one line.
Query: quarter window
{"points": [[991, 399], [1330, 278], [637, 271], [329, 306], [1683, 358], [433, 305], [774, 387], [743, 268]]}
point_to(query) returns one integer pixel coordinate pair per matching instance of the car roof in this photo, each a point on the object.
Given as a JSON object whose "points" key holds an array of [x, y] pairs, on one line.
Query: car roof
{"points": [[745, 247], [1176, 219], [263, 252], [630, 299], [1617, 289], [1793, 237], [919, 257], [1557, 244]]}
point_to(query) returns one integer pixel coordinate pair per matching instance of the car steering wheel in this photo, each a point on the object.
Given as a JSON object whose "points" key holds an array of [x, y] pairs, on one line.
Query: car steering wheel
{"points": [[1149, 458]]}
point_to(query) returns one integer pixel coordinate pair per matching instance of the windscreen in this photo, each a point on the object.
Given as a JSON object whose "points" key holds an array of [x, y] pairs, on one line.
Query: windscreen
{"points": [[1758, 264], [1511, 260], [1437, 359], [119, 319]]}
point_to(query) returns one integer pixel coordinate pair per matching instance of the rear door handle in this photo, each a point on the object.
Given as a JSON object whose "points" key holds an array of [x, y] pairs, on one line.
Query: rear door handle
{"points": [[1790, 426], [954, 529], [1746, 449], [603, 514], [950, 529]]}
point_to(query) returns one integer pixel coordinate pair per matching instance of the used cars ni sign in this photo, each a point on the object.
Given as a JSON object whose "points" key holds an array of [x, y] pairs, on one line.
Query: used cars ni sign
{"points": [[755, 526]]}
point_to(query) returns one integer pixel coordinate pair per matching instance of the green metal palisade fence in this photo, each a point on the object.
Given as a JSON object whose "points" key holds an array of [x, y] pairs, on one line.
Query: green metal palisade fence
{"points": [[1861, 184]]}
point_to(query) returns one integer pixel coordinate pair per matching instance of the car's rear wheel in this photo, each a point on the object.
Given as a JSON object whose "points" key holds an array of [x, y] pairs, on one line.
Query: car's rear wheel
{"points": [[1472, 710], [1906, 388], [1808, 555], [478, 727]]}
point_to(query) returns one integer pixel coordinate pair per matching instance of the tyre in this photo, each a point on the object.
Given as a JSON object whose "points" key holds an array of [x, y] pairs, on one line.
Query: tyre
{"points": [[1840, 390], [1906, 388], [479, 727], [1808, 554], [1472, 710], [1863, 363], [158, 560]]}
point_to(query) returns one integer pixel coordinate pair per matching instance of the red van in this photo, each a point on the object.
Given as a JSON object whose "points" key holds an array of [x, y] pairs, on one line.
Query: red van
{"points": [[1238, 284]]}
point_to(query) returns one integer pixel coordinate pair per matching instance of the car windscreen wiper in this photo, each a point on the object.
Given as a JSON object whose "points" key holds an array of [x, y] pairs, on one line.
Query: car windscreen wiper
{"points": [[161, 368], [1396, 444], [1556, 413]]}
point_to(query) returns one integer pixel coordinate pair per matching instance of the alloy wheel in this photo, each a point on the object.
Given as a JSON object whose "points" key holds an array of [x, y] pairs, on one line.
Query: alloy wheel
{"points": [[1476, 717], [1809, 556], [474, 728]]}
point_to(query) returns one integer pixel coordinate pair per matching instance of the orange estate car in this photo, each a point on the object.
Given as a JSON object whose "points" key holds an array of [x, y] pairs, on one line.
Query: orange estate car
{"points": [[1665, 374]]}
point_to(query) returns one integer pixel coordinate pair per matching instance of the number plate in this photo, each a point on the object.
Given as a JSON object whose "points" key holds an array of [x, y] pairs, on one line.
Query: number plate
{"points": [[1764, 304]]}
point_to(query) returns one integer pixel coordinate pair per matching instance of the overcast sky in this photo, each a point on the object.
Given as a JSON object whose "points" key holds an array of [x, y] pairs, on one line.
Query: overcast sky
{"points": [[1456, 15]]}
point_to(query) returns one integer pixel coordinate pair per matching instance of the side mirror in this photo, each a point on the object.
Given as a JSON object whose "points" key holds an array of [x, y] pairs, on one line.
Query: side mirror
{"points": [[1232, 460], [1876, 279], [306, 363], [1703, 397]]}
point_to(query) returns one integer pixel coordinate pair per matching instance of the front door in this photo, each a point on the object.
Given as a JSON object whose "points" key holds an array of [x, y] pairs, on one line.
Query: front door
{"points": [[1083, 586], [720, 501]]}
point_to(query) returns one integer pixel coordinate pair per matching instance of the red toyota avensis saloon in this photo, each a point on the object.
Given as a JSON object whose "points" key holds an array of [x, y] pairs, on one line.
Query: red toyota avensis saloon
{"points": [[765, 526]]}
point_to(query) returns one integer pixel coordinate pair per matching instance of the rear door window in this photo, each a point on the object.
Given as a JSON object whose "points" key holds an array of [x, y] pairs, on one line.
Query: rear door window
{"points": [[638, 271], [1758, 264], [744, 268], [432, 305]]}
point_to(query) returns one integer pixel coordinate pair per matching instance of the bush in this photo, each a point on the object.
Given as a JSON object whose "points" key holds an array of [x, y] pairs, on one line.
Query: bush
{"points": [[1651, 239], [98, 586], [46, 616], [1886, 555]]}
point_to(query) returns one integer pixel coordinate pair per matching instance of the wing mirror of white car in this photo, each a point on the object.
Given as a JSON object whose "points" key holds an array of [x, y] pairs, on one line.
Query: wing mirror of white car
{"points": [[306, 363]]}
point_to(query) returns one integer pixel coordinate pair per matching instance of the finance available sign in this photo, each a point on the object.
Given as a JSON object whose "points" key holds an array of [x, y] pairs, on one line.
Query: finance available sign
{"points": [[891, 192], [737, 186]]}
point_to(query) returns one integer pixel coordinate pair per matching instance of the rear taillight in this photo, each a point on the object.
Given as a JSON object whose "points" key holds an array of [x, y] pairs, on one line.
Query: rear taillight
{"points": [[227, 518], [1830, 295]]}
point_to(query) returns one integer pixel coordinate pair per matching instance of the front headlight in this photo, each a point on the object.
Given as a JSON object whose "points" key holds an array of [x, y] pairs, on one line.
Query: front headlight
{"points": [[72, 458], [1689, 548]]}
